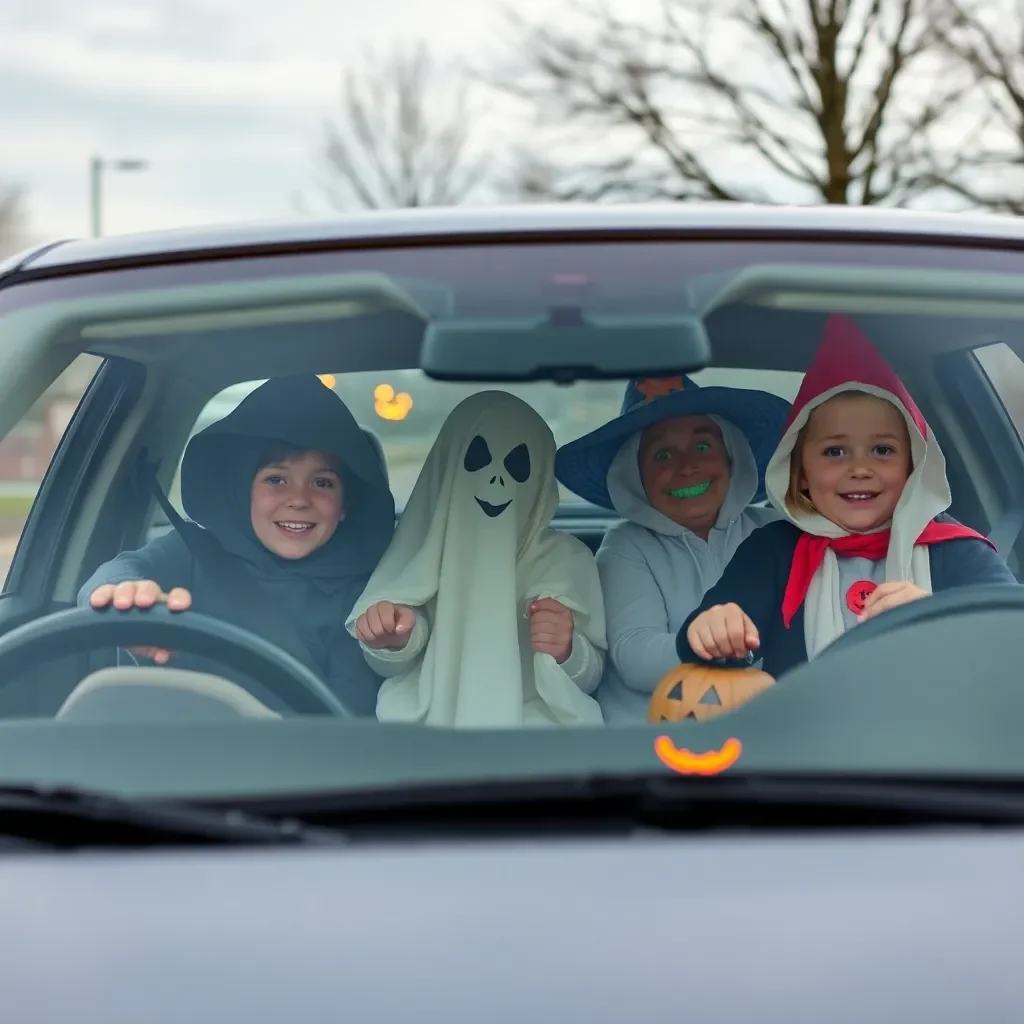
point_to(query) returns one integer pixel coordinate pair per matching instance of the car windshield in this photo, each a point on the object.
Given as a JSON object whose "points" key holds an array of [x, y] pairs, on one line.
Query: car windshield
{"points": [[796, 552]]}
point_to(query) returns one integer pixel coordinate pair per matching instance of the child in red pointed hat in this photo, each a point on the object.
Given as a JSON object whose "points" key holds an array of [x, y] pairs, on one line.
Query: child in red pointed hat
{"points": [[862, 483]]}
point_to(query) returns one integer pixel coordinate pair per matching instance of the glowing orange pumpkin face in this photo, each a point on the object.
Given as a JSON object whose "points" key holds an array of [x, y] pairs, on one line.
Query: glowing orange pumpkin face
{"points": [[682, 692]]}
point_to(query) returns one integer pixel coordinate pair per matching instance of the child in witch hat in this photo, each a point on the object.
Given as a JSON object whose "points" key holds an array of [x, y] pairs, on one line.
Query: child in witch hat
{"points": [[862, 483], [682, 465]]}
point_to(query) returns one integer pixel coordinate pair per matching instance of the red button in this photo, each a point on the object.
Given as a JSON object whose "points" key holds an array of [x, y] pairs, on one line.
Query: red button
{"points": [[858, 594]]}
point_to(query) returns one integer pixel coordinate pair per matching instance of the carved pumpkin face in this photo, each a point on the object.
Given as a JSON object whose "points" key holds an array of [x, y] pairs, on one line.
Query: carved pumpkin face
{"points": [[689, 691]]}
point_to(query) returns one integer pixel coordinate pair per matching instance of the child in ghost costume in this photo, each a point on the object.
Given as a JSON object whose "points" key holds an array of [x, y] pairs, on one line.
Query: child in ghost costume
{"points": [[682, 464], [862, 483], [480, 614]]}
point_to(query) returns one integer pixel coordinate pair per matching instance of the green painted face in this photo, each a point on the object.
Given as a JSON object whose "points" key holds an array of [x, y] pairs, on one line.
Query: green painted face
{"points": [[700, 448], [684, 469]]}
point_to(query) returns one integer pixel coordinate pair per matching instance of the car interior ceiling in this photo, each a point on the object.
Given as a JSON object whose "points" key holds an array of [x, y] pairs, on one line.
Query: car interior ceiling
{"points": [[184, 371]]}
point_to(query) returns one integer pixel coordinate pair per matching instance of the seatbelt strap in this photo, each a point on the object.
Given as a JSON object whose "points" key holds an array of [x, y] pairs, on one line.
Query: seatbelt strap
{"points": [[150, 484], [195, 537]]}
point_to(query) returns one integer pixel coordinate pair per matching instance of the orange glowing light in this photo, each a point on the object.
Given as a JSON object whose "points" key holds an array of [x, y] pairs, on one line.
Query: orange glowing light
{"points": [[391, 406], [686, 762]]}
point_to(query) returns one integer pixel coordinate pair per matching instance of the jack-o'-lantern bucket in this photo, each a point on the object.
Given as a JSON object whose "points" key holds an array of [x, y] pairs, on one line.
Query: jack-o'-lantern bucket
{"points": [[681, 693]]}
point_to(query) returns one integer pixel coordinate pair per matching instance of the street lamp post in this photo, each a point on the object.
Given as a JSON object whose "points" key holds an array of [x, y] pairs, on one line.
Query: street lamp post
{"points": [[97, 165]]}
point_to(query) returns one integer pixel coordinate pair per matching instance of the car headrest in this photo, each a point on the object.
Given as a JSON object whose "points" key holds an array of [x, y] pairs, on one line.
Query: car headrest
{"points": [[378, 447]]}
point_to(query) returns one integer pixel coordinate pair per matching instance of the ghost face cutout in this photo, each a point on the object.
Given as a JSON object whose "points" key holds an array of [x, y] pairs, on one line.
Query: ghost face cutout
{"points": [[496, 475]]}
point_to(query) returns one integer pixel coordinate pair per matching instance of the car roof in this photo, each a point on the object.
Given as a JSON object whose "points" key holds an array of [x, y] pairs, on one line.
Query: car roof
{"points": [[451, 224]]}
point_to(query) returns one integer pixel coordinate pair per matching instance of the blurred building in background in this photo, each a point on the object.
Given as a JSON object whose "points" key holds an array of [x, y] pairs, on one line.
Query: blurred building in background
{"points": [[27, 450]]}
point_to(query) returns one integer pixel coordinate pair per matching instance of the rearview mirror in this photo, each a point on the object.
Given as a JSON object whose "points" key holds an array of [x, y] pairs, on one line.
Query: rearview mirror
{"points": [[564, 348]]}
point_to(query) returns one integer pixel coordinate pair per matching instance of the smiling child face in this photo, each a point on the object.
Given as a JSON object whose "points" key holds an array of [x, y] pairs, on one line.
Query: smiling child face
{"points": [[855, 460], [296, 503]]}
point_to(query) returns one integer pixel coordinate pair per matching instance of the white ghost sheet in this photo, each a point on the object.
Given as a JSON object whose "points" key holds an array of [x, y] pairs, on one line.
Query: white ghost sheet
{"points": [[473, 548]]}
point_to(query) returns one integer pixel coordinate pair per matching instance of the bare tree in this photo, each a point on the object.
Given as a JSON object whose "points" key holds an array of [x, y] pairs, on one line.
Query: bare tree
{"points": [[986, 40], [836, 101], [12, 220], [403, 137]]}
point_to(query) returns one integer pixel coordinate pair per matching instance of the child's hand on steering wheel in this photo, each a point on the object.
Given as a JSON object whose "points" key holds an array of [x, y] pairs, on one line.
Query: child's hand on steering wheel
{"points": [[141, 594]]}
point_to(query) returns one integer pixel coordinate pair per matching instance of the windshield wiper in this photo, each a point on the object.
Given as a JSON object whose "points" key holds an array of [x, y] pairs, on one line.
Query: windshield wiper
{"points": [[72, 818], [616, 804]]}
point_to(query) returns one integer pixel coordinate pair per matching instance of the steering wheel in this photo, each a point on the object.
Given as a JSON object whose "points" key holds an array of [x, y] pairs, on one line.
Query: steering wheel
{"points": [[960, 601], [88, 629]]}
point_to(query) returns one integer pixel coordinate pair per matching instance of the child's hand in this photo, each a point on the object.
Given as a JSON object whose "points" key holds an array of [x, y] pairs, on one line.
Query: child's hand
{"points": [[551, 626], [724, 631], [386, 626], [141, 594], [890, 595]]}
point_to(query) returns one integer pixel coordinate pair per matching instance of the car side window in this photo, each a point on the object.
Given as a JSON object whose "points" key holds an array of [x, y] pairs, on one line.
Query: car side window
{"points": [[1005, 371], [27, 449]]}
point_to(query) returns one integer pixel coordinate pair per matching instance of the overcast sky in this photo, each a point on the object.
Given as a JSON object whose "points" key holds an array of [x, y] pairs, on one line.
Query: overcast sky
{"points": [[225, 98]]}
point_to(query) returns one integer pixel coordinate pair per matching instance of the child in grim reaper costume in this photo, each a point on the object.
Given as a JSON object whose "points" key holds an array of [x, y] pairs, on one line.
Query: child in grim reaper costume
{"points": [[861, 480], [290, 511], [480, 614]]}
